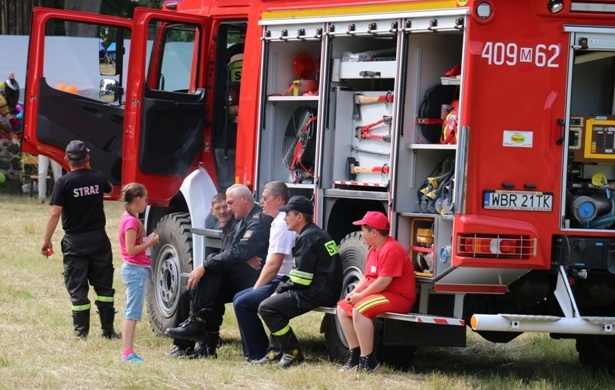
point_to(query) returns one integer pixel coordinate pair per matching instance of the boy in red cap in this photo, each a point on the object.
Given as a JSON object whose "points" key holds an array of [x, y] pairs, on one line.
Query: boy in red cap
{"points": [[387, 286]]}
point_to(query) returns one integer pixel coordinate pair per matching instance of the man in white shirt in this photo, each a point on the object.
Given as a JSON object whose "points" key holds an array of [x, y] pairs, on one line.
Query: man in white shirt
{"points": [[276, 269]]}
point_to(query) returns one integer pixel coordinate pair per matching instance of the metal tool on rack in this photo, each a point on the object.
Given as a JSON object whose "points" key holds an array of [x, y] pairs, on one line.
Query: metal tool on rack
{"points": [[363, 132], [353, 168], [360, 99]]}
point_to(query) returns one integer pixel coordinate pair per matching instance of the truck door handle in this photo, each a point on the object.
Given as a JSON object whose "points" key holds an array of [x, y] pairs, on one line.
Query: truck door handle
{"points": [[369, 73]]}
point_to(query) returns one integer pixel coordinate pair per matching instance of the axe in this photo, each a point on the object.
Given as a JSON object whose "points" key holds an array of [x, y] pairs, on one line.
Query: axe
{"points": [[361, 99], [353, 168]]}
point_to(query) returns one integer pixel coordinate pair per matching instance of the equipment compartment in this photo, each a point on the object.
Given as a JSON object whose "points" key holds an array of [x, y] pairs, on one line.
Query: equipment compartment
{"points": [[288, 122]]}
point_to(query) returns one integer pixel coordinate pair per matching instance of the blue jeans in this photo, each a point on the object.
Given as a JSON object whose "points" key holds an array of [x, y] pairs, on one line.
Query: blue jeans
{"points": [[253, 336], [135, 279]]}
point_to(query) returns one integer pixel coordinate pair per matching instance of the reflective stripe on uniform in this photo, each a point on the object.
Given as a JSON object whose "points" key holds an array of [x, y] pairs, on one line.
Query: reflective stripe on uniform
{"points": [[82, 307], [300, 277], [375, 301], [282, 331], [101, 298]]}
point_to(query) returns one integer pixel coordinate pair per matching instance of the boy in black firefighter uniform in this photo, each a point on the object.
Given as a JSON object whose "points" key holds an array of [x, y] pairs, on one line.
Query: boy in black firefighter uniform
{"points": [[78, 198], [315, 280]]}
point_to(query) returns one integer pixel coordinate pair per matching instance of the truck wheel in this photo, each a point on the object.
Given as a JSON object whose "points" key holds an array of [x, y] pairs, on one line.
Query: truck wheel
{"points": [[597, 352], [171, 258], [353, 251]]}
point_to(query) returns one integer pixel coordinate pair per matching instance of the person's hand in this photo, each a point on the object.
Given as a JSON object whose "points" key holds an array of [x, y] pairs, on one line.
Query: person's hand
{"points": [[47, 249], [255, 262], [195, 276], [353, 298], [153, 239]]}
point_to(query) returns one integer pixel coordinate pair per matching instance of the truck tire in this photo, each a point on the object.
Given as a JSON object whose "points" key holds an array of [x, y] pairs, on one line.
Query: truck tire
{"points": [[353, 251], [597, 352], [171, 258]]}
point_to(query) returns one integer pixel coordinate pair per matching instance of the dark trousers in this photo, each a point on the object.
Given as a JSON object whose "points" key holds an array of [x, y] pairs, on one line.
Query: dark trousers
{"points": [[88, 259], [277, 310], [253, 336], [183, 312], [210, 294]]}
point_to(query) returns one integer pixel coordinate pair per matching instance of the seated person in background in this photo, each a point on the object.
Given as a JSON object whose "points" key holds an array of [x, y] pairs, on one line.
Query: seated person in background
{"points": [[387, 286], [277, 266], [315, 280], [217, 212], [225, 138]]}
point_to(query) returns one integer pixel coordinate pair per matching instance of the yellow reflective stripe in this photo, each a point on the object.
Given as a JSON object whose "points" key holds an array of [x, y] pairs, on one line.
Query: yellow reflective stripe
{"points": [[282, 331], [300, 277], [365, 9], [364, 306], [82, 307], [332, 248], [101, 298]]}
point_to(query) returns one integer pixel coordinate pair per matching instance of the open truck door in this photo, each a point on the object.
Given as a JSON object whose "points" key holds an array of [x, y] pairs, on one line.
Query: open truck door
{"points": [[165, 100], [133, 90], [61, 97]]}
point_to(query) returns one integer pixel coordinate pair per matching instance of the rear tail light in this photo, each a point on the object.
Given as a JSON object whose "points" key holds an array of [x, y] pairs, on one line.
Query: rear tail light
{"points": [[496, 246]]}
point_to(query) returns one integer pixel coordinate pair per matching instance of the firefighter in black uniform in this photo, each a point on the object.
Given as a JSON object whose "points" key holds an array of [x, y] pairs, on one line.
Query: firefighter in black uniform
{"points": [[185, 347], [78, 198], [315, 280], [222, 275]]}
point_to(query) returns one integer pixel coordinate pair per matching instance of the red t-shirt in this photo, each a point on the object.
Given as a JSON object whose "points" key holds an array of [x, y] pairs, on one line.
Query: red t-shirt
{"points": [[391, 260]]}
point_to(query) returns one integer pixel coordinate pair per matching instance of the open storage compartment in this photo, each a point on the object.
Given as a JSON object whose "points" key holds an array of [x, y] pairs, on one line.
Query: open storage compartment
{"points": [[363, 73], [289, 117]]}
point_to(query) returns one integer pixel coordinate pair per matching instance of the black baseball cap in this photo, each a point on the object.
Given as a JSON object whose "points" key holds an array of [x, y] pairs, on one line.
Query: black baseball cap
{"points": [[76, 150], [300, 204]]}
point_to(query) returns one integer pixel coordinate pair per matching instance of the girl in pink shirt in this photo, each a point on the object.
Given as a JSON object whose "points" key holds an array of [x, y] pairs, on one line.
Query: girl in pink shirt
{"points": [[135, 270]]}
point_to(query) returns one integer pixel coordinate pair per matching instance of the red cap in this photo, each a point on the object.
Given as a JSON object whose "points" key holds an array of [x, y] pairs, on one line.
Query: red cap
{"points": [[375, 219]]}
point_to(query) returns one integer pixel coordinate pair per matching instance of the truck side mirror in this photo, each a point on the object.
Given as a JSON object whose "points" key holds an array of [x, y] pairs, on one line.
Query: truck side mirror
{"points": [[109, 91]]}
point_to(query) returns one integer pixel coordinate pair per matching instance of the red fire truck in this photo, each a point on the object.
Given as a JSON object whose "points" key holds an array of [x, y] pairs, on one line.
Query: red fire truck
{"points": [[485, 129]]}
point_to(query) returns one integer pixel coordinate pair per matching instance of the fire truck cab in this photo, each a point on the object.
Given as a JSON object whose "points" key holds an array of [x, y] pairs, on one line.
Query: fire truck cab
{"points": [[484, 129]]}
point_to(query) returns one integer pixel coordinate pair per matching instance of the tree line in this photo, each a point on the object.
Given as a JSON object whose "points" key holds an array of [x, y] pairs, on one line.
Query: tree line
{"points": [[16, 15]]}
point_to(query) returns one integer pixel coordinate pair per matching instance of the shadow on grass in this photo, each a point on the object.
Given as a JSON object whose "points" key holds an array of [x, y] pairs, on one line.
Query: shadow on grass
{"points": [[485, 365]]}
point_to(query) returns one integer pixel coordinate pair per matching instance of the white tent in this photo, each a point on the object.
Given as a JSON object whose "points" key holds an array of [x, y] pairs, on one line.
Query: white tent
{"points": [[68, 60]]}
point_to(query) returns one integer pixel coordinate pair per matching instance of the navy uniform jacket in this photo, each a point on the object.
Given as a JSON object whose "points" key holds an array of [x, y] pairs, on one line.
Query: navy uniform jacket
{"points": [[316, 276], [249, 238]]}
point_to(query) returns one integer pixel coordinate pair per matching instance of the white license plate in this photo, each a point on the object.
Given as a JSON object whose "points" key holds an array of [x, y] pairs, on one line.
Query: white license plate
{"points": [[518, 200]]}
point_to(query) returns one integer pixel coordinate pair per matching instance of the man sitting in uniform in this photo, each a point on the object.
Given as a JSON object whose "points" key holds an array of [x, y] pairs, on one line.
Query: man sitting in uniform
{"points": [[219, 218], [222, 275], [315, 280]]}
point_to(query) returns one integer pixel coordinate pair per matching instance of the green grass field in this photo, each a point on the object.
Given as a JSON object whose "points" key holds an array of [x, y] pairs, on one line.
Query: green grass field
{"points": [[38, 350]]}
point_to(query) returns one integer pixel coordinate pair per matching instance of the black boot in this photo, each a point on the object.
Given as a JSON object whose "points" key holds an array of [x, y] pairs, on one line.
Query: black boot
{"points": [[191, 329], [207, 348], [292, 354], [107, 316], [368, 363], [274, 352], [352, 359], [81, 323]]}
